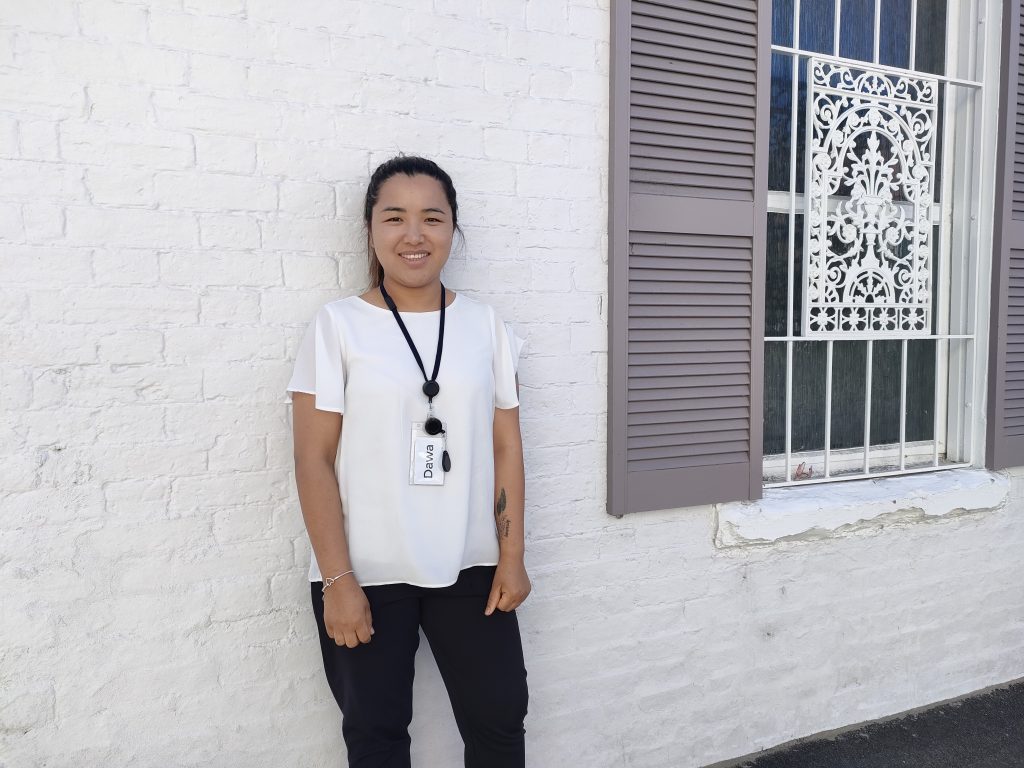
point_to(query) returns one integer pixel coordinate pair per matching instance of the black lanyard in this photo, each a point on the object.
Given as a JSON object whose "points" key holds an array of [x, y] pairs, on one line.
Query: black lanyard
{"points": [[430, 386], [433, 425]]}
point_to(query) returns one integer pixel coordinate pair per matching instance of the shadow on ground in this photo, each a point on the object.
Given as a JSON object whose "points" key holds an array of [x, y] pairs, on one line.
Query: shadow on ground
{"points": [[985, 730]]}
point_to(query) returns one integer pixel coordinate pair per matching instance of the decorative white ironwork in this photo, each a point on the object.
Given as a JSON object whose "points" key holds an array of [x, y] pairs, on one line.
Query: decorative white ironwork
{"points": [[869, 193]]}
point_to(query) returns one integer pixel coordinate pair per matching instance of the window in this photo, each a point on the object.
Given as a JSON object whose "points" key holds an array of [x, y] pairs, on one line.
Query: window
{"points": [[708, 247], [873, 239]]}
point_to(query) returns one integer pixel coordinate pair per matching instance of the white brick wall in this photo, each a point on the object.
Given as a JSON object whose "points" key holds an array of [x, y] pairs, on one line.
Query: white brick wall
{"points": [[181, 185]]}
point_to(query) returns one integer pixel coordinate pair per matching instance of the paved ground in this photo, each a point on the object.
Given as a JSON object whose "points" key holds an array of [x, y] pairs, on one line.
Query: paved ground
{"points": [[985, 730]]}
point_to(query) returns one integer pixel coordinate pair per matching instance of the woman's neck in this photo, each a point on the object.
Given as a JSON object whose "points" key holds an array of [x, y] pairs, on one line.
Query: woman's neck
{"points": [[423, 299]]}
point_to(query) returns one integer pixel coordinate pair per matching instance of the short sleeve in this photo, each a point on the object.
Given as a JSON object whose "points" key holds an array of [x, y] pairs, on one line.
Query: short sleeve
{"points": [[507, 346], [319, 366]]}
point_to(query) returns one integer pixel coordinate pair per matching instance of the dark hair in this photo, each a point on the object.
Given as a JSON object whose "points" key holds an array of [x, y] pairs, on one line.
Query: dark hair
{"points": [[410, 165]]}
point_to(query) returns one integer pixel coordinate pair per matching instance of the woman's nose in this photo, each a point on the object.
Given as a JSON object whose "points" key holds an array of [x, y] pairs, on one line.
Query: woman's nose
{"points": [[413, 233]]}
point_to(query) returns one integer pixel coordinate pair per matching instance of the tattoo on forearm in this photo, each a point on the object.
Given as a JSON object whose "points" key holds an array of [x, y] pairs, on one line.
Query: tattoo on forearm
{"points": [[501, 520]]}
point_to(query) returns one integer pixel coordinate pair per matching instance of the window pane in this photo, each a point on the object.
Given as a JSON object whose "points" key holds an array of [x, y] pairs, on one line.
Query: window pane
{"points": [[808, 396], [801, 123], [782, 22], [885, 392], [798, 274], [931, 36], [777, 254], [920, 390], [894, 43], [857, 30], [848, 379], [774, 397], [817, 22], [781, 125]]}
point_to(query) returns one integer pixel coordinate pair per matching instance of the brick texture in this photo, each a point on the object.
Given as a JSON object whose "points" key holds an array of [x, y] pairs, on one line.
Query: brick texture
{"points": [[181, 190]]}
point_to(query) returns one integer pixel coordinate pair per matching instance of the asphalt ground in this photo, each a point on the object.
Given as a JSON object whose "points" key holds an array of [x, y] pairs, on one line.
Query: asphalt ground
{"points": [[983, 730]]}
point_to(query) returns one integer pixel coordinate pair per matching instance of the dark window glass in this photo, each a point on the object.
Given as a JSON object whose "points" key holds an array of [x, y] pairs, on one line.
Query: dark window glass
{"points": [[921, 390], [781, 123], [808, 396], [848, 379], [798, 274], [885, 392], [782, 22], [774, 397], [931, 37], [801, 123], [894, 34], [817, 25], [857, 30], [777, 254]]}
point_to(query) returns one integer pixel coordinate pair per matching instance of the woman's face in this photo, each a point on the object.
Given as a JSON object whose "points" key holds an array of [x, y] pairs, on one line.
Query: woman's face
{"points": [[411, 230]]}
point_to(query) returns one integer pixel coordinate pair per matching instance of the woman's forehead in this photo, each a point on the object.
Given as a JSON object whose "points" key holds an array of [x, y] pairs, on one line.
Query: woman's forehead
{"points": [[420, 188]]}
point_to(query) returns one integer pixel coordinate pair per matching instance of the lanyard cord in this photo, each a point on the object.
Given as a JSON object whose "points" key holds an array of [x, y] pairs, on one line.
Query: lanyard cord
{"points": [[430, 386]]}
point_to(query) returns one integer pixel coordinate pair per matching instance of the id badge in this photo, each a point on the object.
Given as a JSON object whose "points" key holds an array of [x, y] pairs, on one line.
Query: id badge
{"points": [[425, 461]]}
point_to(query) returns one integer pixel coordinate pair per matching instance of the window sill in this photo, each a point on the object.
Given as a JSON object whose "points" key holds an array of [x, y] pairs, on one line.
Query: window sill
{"points": [[828, 510]]}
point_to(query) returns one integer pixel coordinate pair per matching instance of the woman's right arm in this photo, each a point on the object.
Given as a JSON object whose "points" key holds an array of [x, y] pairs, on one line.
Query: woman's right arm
{"points": [[316, 435]]}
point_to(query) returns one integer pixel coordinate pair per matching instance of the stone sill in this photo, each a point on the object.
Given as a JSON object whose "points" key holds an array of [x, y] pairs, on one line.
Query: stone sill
{"points": [[826, 510]]}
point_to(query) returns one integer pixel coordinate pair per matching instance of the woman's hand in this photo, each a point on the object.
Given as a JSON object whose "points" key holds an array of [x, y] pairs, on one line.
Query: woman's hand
{"points": [[347, 613], [510, 587]]}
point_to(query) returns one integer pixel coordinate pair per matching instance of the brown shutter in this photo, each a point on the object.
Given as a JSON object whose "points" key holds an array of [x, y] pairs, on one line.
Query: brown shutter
{"points": [[1005, 443], [686, 268]]}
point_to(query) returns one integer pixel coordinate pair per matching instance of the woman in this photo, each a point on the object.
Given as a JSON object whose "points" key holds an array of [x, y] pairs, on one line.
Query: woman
{"points": [[411, 390]]}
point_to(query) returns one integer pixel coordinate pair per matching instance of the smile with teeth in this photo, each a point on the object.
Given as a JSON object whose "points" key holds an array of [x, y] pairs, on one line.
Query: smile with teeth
{"points": [[414, 256]]}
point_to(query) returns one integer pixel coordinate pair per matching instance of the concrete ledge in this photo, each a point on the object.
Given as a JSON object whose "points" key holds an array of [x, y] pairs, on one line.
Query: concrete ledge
{"points": [[826, 510]]}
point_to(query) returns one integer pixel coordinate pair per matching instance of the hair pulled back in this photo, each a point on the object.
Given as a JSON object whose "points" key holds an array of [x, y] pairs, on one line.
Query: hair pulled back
{"points": [[410, 165]]}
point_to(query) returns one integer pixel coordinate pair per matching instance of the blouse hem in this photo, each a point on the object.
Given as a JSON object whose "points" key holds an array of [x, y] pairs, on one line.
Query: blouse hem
{"points": [[411, 584]]}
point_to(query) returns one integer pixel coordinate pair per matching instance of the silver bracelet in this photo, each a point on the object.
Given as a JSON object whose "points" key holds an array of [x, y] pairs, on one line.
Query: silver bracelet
{"points": [[328, 582]]}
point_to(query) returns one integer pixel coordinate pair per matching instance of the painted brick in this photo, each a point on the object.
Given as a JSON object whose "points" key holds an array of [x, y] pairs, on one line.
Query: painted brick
{"points": [[133, 228], [307, 199], [177, 110], [126, 266], [111, 21], [209, 34], [51, 98], [116, 186], [92, 144], [43, 222], [226, 154], [28, 180], [302, 235], [218, 230], [55, 17], [37, 140], [11, 228], [216, 75], [214, 191], [218, 306], [303, 47], [338, 17], [305, 271], [119, 104]]}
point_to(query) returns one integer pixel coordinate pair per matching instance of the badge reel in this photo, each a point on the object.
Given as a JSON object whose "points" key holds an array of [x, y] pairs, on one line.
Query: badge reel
{"points": [[429, 461]]}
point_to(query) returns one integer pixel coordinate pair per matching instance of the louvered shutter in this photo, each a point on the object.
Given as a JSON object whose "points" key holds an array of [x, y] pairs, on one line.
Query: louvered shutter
{"points": [[688, 180], [1005, 444]]}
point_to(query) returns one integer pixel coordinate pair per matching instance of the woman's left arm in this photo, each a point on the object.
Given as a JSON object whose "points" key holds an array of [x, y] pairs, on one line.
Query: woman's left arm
{"points": [[511, 584]]}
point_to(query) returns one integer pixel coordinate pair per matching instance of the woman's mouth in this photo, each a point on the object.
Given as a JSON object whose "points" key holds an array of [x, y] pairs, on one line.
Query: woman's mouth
{"points": [[414, 256]]}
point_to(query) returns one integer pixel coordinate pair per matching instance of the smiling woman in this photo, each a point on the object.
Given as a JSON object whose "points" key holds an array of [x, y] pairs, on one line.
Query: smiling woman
{"points": [[398, 465]]}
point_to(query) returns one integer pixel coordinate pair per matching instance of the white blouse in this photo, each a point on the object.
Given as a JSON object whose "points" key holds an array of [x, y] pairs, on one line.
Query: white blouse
{"points": [[356, 361]]}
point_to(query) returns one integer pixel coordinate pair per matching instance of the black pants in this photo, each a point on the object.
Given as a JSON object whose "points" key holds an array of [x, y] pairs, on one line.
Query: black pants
{"points": [[480, 659]]}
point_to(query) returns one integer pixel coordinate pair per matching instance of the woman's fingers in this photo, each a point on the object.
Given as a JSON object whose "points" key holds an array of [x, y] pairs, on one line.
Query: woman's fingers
{"points": [[492, 599]]}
